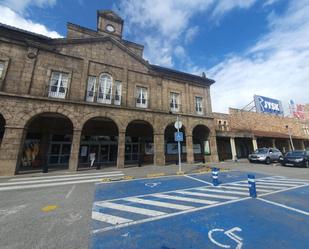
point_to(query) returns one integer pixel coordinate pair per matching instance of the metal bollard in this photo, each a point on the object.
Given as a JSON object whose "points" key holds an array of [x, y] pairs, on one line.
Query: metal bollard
{"points": [[215, 180], [252, 187]]}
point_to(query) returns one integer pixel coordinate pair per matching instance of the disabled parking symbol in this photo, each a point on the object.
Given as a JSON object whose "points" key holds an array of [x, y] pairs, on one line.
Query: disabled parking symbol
{"points": [[229, 233], [152, 184]]}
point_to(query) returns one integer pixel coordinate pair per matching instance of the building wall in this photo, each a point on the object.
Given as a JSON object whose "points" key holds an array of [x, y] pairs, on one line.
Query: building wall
{"points": [[242, 121], [31, 59]]}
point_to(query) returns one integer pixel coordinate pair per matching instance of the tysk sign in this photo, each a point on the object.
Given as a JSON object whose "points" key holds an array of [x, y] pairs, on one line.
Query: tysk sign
{"points": [[268, 105], [178, 136]]}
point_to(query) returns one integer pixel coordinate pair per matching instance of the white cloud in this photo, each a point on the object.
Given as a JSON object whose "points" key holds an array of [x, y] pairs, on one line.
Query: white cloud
{"points": [[191, 33], [224, 6], [166, 24], [9, 17], [21, 5], [277, 66]]}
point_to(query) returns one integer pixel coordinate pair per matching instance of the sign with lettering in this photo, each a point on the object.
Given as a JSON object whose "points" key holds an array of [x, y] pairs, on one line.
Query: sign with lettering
{"points": [[268, 105]]}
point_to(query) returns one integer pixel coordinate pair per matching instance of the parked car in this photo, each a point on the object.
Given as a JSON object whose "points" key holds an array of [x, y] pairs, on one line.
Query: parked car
{"points": [[266, 155], [296, 158]]}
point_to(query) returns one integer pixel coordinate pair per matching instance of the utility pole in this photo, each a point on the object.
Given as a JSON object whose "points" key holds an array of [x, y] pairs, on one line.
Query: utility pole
{"points": [[290, 136]]}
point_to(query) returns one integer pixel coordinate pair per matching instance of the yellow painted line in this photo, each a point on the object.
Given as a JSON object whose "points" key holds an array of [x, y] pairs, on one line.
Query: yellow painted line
{"points": [[105, 180], [49, 208], [155, 175], [128, 177], [180, 173]]}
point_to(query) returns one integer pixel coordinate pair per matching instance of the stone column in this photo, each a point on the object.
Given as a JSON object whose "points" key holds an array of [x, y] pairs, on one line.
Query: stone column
{"points": [[273, 142], [10, 151], [254, 143], [302, 143], [289, 145], [121, 149], [73, 163], [189, 148], [213, 149], [233, 148], [159, 151]]}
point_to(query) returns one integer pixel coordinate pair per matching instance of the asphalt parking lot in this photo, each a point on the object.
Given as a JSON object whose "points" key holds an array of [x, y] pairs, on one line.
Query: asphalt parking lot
{"points": [[53, 211]]}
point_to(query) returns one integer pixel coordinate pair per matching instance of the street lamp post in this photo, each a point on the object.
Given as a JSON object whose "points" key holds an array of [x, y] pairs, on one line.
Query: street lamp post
{"points": [[179, 149], [290, 136]]}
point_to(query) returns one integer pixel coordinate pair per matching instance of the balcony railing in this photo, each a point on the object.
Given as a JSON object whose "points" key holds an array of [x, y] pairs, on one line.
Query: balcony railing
{"points": [[56, 92], [103, 99], [141, 103]]}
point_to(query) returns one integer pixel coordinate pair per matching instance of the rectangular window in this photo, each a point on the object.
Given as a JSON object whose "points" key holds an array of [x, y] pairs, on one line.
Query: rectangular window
{"points": [[199, 105], [141, 97], [105, 89], [174, 102], [117, 99], [1, 69], [91, 89], [58, 85]]}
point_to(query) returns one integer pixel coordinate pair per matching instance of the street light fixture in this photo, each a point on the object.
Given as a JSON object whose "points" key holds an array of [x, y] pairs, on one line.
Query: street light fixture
{"points": [[291, 140]]}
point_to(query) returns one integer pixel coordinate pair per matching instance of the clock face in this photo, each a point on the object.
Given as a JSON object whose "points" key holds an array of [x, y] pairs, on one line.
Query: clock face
{"points": [[110, 28]]}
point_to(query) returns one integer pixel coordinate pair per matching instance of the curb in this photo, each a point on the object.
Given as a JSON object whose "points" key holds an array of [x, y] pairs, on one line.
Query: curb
{"points": [[154, 175]]}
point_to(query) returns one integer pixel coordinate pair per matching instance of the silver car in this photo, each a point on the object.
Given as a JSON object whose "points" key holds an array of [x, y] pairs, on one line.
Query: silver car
{"points": [[266, 155]]}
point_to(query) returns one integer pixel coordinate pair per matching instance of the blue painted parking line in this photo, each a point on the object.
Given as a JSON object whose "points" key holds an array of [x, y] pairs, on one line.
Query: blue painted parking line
{"points": [[152, 206]]}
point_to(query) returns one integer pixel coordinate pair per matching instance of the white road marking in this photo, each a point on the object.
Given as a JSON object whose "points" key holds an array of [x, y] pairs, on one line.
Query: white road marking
{"points": [[284, 206], [284, 181], [70, 192], [186, 211], [58, 180], [126, 208], [244, 188], [158, 203], [179, 198], [257, 186], [111, 219], [208, 195], [223, 191], [196, 179], [63, 176], [47, 185], [288, 179], [276, 184], [165, 216]]}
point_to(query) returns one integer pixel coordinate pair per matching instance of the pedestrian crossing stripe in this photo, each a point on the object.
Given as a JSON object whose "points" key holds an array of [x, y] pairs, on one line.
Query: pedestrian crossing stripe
{"points": [[181, 201], [52, 181]]}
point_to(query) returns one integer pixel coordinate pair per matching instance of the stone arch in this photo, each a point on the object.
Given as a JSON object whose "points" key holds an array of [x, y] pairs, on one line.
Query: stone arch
{"points": [[46, 143], [90, 116], [139, 147], [26, 117], [171, 147], [2, 127], [99, 142], [200, 139]]}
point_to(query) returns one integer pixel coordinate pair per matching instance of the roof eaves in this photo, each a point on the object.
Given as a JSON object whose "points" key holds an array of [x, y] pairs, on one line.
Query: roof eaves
{"points": [[182, 75]]}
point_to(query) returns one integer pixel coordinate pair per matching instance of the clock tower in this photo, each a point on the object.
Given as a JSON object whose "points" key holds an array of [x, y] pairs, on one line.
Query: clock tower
{"points": [[109, 23]]}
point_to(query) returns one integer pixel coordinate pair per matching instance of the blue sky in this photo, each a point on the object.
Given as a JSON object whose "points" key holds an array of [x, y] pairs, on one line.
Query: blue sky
{"points": [[248, 46]]}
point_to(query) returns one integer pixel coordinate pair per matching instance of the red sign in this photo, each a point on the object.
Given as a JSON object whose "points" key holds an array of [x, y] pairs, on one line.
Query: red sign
{"points": [[299, 112]]}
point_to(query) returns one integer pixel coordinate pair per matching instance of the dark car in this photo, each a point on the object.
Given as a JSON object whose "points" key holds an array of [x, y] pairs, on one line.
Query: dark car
{"points": [[296, 158]]}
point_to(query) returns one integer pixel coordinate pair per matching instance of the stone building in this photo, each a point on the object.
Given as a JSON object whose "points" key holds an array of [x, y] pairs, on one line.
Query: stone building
{"points": [[93, 93], [240, 132]]}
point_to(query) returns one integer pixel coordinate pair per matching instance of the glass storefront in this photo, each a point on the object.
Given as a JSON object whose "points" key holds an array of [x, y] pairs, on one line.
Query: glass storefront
{"points": [[59, 150], [105, 149]]}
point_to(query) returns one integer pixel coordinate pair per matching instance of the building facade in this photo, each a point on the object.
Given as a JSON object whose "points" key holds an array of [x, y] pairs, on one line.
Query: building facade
{"points": [[241, 132], [91, 94]]}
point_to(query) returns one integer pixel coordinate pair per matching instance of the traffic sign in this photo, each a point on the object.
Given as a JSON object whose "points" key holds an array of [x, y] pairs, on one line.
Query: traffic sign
{"points": [[178, 124], [178, 136]]}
